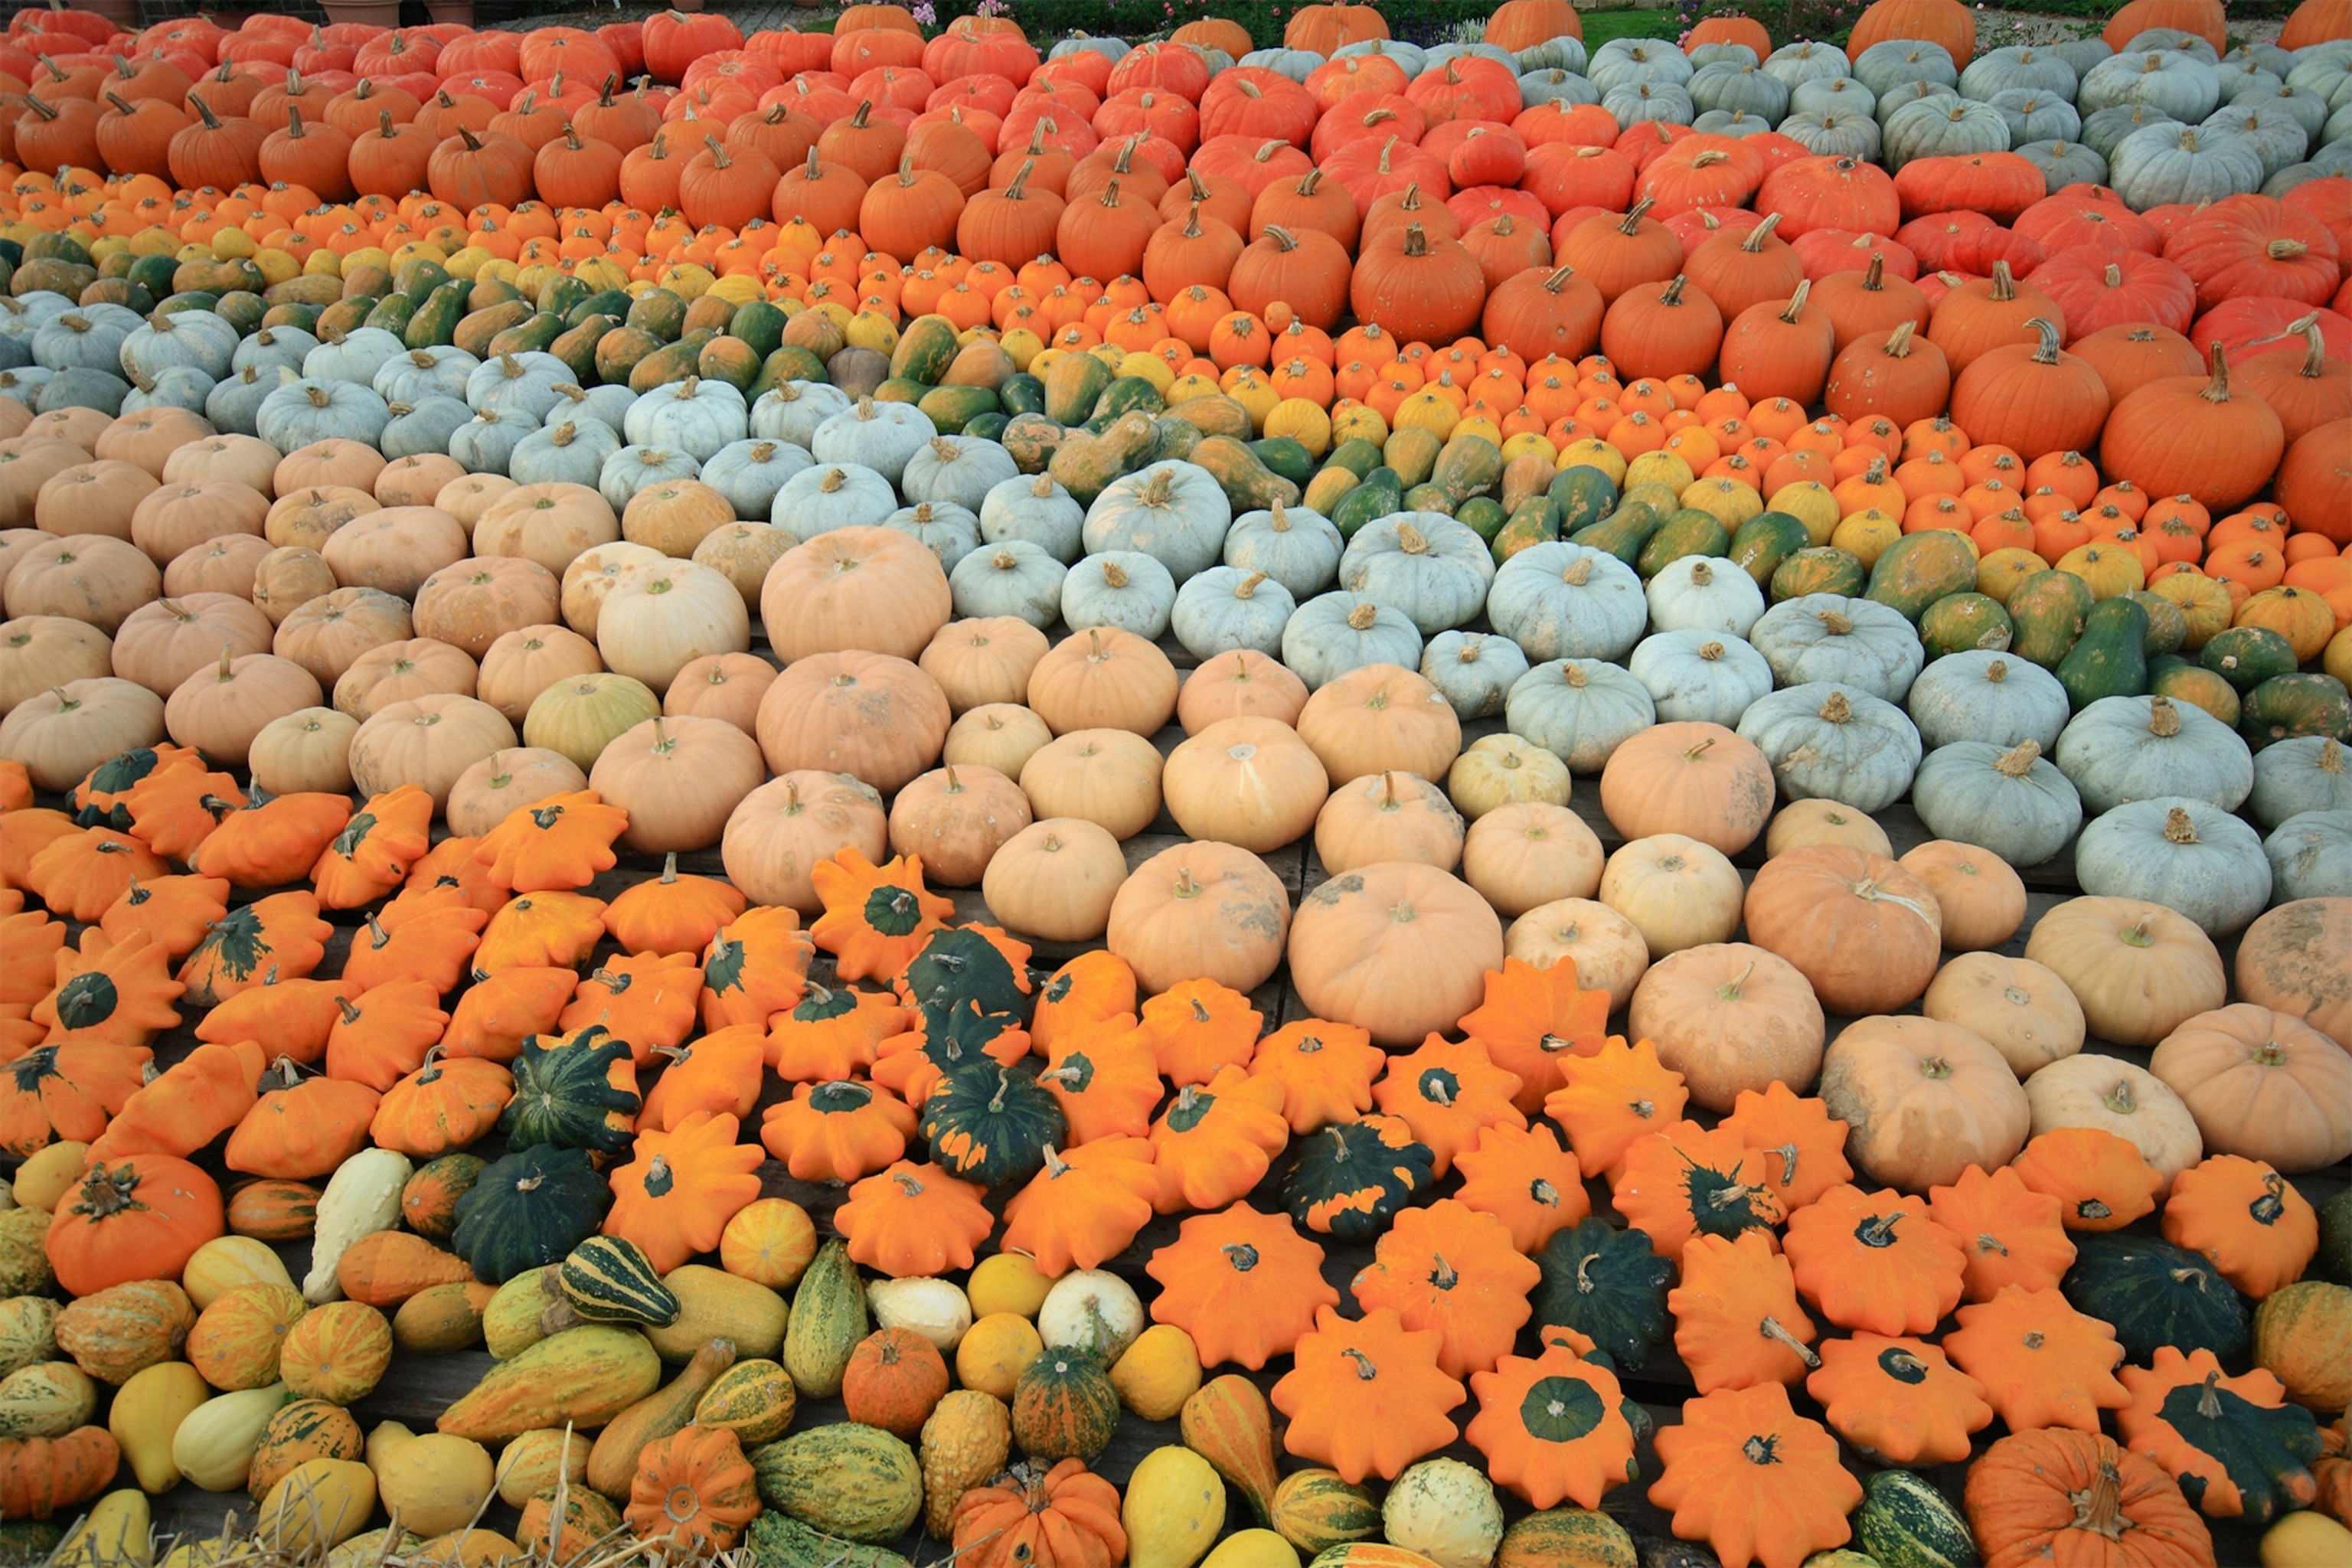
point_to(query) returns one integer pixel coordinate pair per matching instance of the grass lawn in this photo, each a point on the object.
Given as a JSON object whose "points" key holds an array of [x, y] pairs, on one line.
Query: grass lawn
{"points": [[1600, 27]]}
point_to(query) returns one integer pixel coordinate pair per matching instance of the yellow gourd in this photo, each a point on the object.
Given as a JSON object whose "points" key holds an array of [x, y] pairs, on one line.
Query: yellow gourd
{"points": [[317, 1504], [531, 1463], [146, 1416], [435, 1483], [1252, 1549], [1007, 1282], [1159, 1373], [467, 1549], [1175, 1506], [2306, 1539], [215, 1444], [226, 1262], [387, 1435], [115, 1535], [47, 1174], [993, 1351]]}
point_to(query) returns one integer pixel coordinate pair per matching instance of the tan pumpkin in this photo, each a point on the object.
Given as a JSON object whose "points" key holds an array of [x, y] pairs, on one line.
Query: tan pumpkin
{"points": [[1504, 770], [1528, 854], [394, 548], [60, 734], [1055, 880], [1244, 684], [724, 686], [327, 635], [220, 711], [92, 578], [1922, 1101], [245, 460], [1694, 778], [679, 779], [592, 576], [2020, 1006], [743, 552], [286, 580], [1201, 910], [306, 517], [1111, 777], [1730, 1018], [15, 543], [399, 670], [868, 714], [100, 497], [1398, 949], [1388, 816], [1610, 954], [1677, 891], [955, 820], [26, 463], [468, 496], [418, 479], [873, 589], [1379, 717], [553, 524], [674, 516], [160, 645], [80, 427], [303, 752], [1818, 821], [794, 822], [998, 735], [1104, 679], [173, 519], [1865, 932], [2292, 961], [2263, 1085], [1245, 780], [656, 620], [149, 436], [338, 461], [223, 564], [2139, 969], [1980, 896], [37, 652], [427, 742], [528, 661], [2089, 1090], [476, 601], [491, 790], [983, 660]]}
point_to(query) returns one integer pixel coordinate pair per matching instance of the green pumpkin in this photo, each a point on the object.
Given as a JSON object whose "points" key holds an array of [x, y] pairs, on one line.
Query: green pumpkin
{"points": [[608, 1279], [528, 1210], [2168, 629], [827, 1321], [1567, 1538], [1350, 1179], [1585, 494], [990, 1124], [1686, 532], [1963, 621], [779, 1540], [1818, 569], [2169, 675], [1624, 532], [2266, 1452], [2245, 657], [2334, 1261], [1905, 1522], [1765, 541], [2286, 706], [2155, 1293], [847, 1479], [2110, 658], [961, 965], [564, 1096], [1063, 1407], [1609, 1286], [2048, 610]]}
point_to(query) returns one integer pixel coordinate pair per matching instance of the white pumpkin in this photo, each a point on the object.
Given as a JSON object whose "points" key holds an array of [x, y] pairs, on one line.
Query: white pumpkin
{"points": [[2306, 773], [1705, 594], [2015, 804], [1012, 577], [1298, 548], [1035, 509], [1122, 588], [700, 416], [935, 1308], [1984, 694], [1475, 671], [792, 410], [1225, 609], [963, 469], [1427, 564], [882, 437], [826, 496], [658, 619], [749, 473], [1703, 676], [1678, 893], [1174, 511], [1339, 631], [1091, 1309], [948, 530], [2311, 855], [1559, 600], [1445, 1511]]}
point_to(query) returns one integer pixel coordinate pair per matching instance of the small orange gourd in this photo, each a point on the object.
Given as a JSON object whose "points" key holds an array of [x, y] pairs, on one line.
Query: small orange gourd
{"points": [[2101, 1182], [2259, 1231], [1447, 1091], [2041, 1362], [2009, 1233], [1085, 1206], [1533, 1017], [1898, 1400], [913, 1220], [1737, 1322], [1367, 1395], [1612, 1099], [681, 1186], [555, 844], [894, 1379], [672, 914], [1876, 1261], [1523, 1177], [1245, 1285]]}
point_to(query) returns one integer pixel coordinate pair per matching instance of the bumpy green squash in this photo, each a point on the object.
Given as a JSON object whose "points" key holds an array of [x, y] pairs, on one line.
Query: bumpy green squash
{"points": [[1920, 568], [847, 1479], [2110, 658], [1063, 1407], [1468, 465], [2245, 657], [2048, 610], [1905, 1522], [779, 1540], [827, 1321]]}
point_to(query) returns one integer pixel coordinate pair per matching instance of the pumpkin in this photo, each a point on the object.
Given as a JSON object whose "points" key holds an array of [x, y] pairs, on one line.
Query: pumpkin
{"points": [[1452, 1269], [676, 1196], [1062, 1516], [1764, 1511], [2026, 1011], [142, 1218], [1736, 1321], [1358, 935], [38, 1476], [1619, 1094], [1891, 1080], [1898, 1400], [894, 1379], [2260, 1084], [2041, 1494], [2156, 1293], [1214, 1142], [2040, 1362], [1366, 1396], [1201, 910], [1552, 1427], [337, 1352], [1063, 1407], [575, 1092], [1870, 1263], [913, 1219], [1730, 1018], [2232, 1442], [1684, 1182], [1353, 1178], [2009, 1233], [1693, 778], [2258, 1230]]}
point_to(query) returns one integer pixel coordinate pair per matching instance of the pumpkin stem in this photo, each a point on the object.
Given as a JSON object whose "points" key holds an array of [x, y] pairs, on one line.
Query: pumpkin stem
{"points": [[1797, 301], [1365, 1370], [2178, 829], [1771, 1330]]}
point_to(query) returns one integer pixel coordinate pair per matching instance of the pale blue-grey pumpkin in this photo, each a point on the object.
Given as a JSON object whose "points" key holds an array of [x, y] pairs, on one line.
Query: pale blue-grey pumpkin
{"points": [[524, 383], [2311, 857], [700, 416], [1580, 709], [1472, 670], [1427, 564], [1984, 694], [1173, 511], [1336, 632], [197, 339], [2188, 854], [485, 442], [634, 468], [792, 410], [1035, 508], [1561, 600], [1298, 548], [572, 453], [304, 411], [959, 468], [749, 473], [826, 496], [357, 355], [1122, 588], [945, 529], [427, 426], [1011, 577], [1225, 610], [1827, 741], [2303, 773], [881, 435], [1702, 593], [1713, 677], [2138, 748], [1828, 636], [2011, 801], [409, 377]]}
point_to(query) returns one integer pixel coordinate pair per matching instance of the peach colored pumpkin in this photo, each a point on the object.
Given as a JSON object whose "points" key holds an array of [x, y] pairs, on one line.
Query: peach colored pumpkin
{"points": [[1922, 1101], [1610, 954], [1398, 949], [674, 516], [1729, 1017], [286, 580], [1865, 932], [1694, 778], [468, 496], [92, 578], [1200, 911], [327, 635], [175, 517], [427, 742], [528, 661], [394, 548], [2292, 960], [305, 751], [418, 479], [743, 552], [791, 823], [999, 736], [870, 714], [399, 670], [79, 426], [2261, 1084], [1055, 880], [225, 564], [1379, 717], [1677, 891], [1819, 821], [220, 709], [352, 465], [37, 652], [26, 463], [657, 620], [305, 518], [956, 820], [1104, 679], [1980, 897], [679, 779], [1247, 781], [725, 685], [593, 575], [98, 497], [983, 660], [2093, 1089], [490, 791], [553, 524], [62, 732], [150, 437], [1241, 684], [163, 643], [2024, 1010], [871, 589], [245, 460], [2139, 970], [1387, 817], [474, 602], [1110, 777], [1528, 854]]}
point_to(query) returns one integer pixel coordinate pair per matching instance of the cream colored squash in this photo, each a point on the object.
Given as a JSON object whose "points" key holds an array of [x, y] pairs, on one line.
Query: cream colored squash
{"points": [[2090, 1090], [1819, 821], [936, 1308], [2020, 1006], [2138, 969], [1531, 853], [1504, 770], [428, 741], [999, 735], [310, 750], [1610, 951], [1677, 891]]}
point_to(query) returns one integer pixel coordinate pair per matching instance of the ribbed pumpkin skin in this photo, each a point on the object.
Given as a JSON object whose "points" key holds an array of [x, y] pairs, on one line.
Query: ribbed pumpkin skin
{"points": [[1226, 1422], [1317, 1510], [586, 1375], [275, 1211], [237, 1341], [306, 1429], [610, 1280], [1567, 1538], [565, 1095], [1905, 1522], [851, 1480], [336, 1352], [1064, 1407], [2155, 1293], [2303, 1337], [894, 1379], [429, 1204], [753, 1399], [119, 1331]]}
